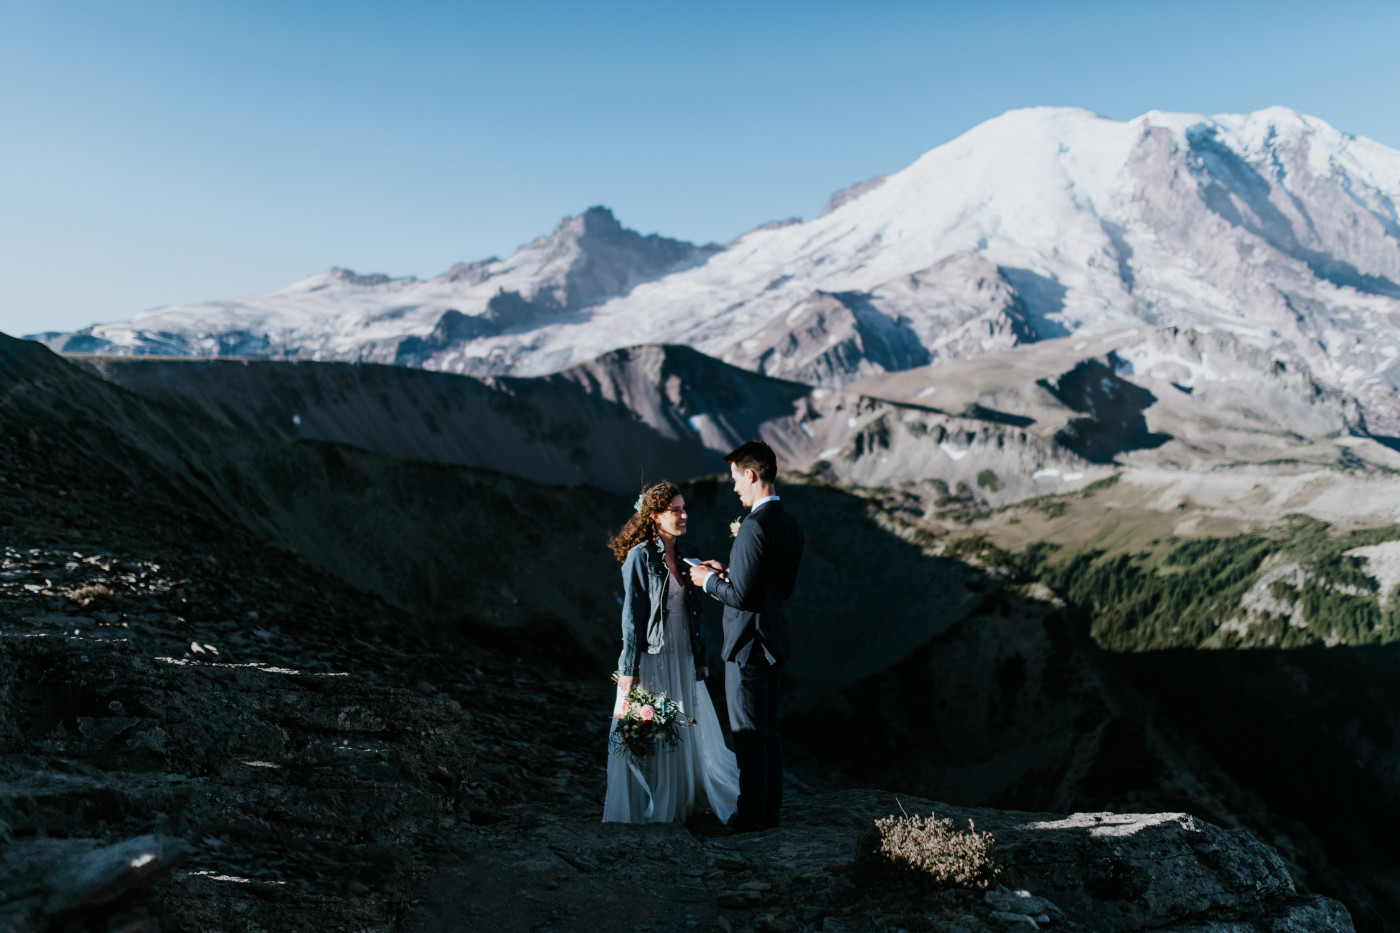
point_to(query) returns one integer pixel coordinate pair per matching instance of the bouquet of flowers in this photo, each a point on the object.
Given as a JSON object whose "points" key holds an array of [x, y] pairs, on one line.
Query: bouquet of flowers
{"points": [[648, 721]]}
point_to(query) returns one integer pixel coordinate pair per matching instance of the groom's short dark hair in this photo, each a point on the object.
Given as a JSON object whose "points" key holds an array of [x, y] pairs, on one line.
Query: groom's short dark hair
{"points": [[756, 456]]}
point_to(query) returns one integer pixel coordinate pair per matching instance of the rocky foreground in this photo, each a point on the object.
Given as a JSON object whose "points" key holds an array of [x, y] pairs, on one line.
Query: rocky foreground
{"points": [[562, 870], [201, 730], [175, 759]]}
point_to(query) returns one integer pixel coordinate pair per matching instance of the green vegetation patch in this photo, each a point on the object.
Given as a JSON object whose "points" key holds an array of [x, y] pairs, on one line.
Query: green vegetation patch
{"points": [[978, 548], [1135, 607], [1098, 485], [1139, 602]]}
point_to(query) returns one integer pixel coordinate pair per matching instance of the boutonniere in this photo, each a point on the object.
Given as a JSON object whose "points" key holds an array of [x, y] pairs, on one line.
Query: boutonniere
{"points": [[734, 526]]}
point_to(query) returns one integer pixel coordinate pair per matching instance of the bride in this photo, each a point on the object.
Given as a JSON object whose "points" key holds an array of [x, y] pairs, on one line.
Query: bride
{"points": [[662, 650]]}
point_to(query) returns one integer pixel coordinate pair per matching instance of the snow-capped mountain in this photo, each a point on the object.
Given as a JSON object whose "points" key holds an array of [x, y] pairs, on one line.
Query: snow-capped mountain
{"points": [[339, 315], [1044, 222]]}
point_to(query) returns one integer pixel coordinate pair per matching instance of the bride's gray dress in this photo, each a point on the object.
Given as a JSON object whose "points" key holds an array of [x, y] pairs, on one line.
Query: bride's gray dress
{"points": [[700, 772]]}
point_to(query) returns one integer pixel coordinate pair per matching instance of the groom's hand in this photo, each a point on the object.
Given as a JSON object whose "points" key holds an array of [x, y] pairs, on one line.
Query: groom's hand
{"points": [[701, 673], [699, 574]]}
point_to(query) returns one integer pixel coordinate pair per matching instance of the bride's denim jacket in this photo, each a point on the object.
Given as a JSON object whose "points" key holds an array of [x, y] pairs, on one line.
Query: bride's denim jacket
{"points": [[644, 575]]}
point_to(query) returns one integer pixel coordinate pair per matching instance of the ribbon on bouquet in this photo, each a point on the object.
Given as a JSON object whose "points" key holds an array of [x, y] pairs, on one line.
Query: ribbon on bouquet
{"points": [[651, 801]]}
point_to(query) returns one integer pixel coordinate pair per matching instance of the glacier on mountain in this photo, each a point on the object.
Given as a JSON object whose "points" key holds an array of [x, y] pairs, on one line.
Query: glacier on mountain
{"points": [[1272, 226]]}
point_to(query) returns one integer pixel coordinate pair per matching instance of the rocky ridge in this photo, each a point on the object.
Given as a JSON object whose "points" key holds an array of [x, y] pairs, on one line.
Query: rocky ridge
{"points": [[963, 306], [658, 411], [1044, 419], [1169, 398]]}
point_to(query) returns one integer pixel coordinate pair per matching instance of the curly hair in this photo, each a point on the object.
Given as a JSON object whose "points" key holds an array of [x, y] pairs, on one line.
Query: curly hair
{"points": [[640, 527]]}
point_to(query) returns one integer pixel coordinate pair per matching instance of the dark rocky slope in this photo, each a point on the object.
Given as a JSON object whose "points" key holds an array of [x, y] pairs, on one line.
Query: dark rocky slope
{"points": [[321, 728], [554, 430], [647, 411], [169, 675]]}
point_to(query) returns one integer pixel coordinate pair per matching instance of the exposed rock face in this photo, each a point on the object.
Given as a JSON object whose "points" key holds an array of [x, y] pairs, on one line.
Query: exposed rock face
{"points": [[846, 195], [958, 308], [1305, 236], [961, 306], [568, 429], [1169, 397], [80, 884], [1222, 381], [1113, 409], [832, 339], [1210, 392], [357, 516], [1152, 871], [603, 258]]}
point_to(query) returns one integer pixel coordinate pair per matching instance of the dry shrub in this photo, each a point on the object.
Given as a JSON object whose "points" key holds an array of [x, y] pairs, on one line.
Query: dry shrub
{"points": [[937, 851], [96, 596]]}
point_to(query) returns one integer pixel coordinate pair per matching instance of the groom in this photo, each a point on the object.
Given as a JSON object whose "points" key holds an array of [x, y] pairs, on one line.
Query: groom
{"points": [[762, 568]]}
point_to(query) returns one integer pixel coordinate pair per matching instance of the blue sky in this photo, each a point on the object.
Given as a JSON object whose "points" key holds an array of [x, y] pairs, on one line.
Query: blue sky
{"points": [[166, 153]]}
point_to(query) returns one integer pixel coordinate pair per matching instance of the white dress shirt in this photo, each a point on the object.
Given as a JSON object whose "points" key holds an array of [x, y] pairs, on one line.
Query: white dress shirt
{"points": [[756, 506]]}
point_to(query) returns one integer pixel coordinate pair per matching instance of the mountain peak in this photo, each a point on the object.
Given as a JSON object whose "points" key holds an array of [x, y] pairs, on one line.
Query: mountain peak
{"points": [[1255, 131], [849, 194], [599, 218], [350, 277], [1053, 119], [596, 221], [592, 257]]}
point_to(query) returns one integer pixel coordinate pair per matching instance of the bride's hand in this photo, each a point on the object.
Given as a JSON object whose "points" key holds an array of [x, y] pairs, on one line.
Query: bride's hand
{"points": [[624, 687], [701, 673]]}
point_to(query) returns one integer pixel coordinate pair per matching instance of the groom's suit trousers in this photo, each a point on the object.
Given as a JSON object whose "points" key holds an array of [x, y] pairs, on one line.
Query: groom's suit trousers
{"points": [[751, 691]]}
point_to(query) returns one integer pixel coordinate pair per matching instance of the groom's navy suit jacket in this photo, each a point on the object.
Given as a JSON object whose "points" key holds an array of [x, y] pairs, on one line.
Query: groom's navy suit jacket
{"points": [[762, 570]]}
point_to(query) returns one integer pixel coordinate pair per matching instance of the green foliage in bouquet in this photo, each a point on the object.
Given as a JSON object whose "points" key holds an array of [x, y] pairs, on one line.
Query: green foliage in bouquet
{"points": [[649, 722]]}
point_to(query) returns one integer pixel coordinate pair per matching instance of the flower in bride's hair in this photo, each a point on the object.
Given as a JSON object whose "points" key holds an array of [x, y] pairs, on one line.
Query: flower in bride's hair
{"points": [[641, 498], [648, 713], [734, 526]]}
